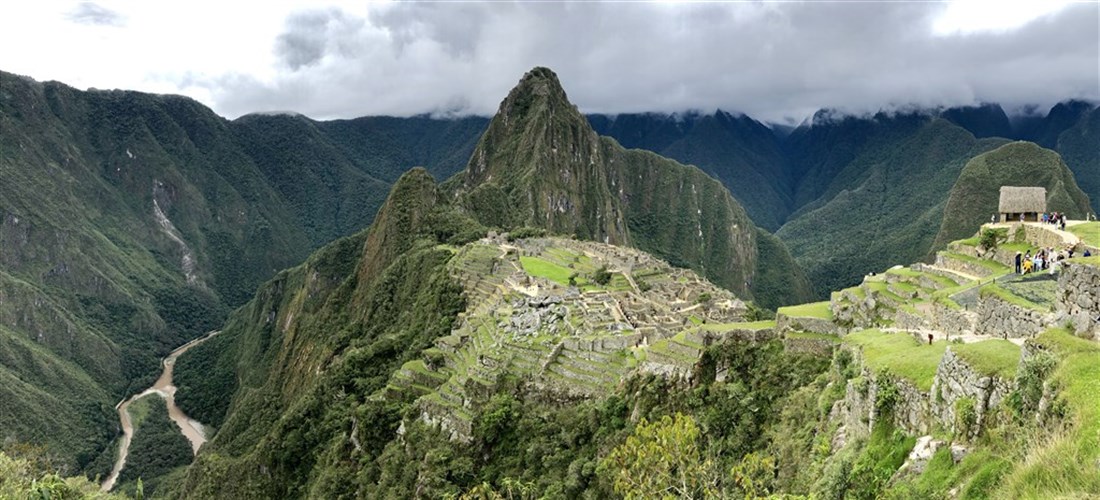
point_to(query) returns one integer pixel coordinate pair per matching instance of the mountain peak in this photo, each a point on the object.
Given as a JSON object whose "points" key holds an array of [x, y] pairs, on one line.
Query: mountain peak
{"points": [[538, 93]]}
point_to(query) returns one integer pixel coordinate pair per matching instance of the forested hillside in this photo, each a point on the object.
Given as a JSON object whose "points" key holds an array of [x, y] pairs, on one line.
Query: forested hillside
{"points": [[131, 222]]}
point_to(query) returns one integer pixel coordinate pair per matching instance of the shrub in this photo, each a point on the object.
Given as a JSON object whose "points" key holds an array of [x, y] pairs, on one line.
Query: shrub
{"points": [[966, 416]]}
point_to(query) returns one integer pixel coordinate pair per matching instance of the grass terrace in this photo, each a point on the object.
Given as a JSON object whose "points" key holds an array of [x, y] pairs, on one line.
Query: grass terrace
{"points": [[990, 357], [995, 267], [993, 289], [900, 354], [1092, 260], [812, 310], [726, 327]]}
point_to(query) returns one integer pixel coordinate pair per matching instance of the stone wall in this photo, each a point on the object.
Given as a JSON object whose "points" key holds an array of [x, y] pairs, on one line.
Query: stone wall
{"points": [[998, 318], [1040, 235], [1078, 298], [956, 380], [952, 321], [962, 266], [784, 323], [816, 347]]}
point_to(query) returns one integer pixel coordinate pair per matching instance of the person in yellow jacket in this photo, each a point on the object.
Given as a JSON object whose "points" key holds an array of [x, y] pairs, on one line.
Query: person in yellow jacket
{"points": [[1027, 266]]}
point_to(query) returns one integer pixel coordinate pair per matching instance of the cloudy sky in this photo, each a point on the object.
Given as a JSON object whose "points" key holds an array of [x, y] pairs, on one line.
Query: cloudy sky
{"points": [[774, 61]]}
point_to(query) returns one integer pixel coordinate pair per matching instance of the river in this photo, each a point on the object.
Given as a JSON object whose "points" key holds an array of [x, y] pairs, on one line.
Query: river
{"points": [[190, 428]]}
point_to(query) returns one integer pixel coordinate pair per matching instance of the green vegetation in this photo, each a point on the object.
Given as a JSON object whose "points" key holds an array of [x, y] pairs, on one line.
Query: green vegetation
{"points": [[544, 269], [819, 310], [989, 239], [900, 354], [29, 473], [725, 327], [995, 357], [661, 459]]}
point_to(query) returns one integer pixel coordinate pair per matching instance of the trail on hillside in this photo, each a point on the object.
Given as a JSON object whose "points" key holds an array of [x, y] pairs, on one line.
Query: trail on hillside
{"points": [[190, 428]]}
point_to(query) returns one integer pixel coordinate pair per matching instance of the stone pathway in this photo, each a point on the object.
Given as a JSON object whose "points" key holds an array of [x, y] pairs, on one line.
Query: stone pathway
{"points": [[968, 338]]}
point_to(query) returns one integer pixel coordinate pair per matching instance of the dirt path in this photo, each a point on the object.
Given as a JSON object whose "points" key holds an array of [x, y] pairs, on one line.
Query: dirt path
{"points": [[191, 429]]}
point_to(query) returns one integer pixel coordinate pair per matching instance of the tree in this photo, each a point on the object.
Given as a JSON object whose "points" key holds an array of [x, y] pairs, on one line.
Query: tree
{"points": [[990, 238], [755, 475], [662, 459], [601, 276]]}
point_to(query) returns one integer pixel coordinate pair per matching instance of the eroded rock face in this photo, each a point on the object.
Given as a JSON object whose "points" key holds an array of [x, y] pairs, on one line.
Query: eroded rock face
{"points": [[1078, 298]]}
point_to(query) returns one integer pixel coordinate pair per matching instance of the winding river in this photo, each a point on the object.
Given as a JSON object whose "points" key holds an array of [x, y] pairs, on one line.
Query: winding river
{"points": [[191, 429]]}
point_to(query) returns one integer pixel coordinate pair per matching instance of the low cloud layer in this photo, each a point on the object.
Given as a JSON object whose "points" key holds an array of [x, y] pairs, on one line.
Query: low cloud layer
{"points": [[777, 62]]}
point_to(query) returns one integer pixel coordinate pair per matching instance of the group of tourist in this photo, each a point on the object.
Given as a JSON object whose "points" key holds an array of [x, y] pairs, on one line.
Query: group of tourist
{"points": [[1044, 259], [1055, 218]]}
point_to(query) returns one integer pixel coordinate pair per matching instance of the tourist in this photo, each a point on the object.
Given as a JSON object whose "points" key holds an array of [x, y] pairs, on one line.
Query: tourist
{"points": [[1087, 253], [1027, 265], [1018, 268]]}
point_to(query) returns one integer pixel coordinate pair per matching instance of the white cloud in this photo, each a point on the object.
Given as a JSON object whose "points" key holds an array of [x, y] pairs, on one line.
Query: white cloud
{"points": [[772, 61]]}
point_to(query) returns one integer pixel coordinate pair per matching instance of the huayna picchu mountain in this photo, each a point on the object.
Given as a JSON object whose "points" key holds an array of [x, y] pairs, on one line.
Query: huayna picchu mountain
{"points": [[540, 164]]}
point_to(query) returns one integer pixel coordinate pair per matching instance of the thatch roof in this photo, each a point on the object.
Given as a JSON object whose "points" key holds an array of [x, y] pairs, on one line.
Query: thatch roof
{"points": [[1016, 199]]}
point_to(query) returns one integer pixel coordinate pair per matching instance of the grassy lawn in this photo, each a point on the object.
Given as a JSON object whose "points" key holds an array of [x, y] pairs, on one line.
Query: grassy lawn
{"points": [[545, 269], [991, 357], [812, 310], [900, 354], [725, 327], [1089, 232]]}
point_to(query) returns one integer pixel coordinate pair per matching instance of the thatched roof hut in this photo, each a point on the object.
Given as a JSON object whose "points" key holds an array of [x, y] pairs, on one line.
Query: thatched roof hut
{"points": [[1027, 201]]}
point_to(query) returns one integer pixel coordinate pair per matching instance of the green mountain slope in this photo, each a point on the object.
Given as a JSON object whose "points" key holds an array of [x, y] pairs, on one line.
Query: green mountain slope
{"points": [[129, 222], [1078, 147], [976, 193], [735, 149], [885, 199]]}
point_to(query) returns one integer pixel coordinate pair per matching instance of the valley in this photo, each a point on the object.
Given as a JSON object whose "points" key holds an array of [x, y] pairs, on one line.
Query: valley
{"points": [[163, 388]]}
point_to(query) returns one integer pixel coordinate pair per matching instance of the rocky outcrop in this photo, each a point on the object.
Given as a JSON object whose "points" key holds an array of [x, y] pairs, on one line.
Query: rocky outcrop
{"points": [[1078, 298]]}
